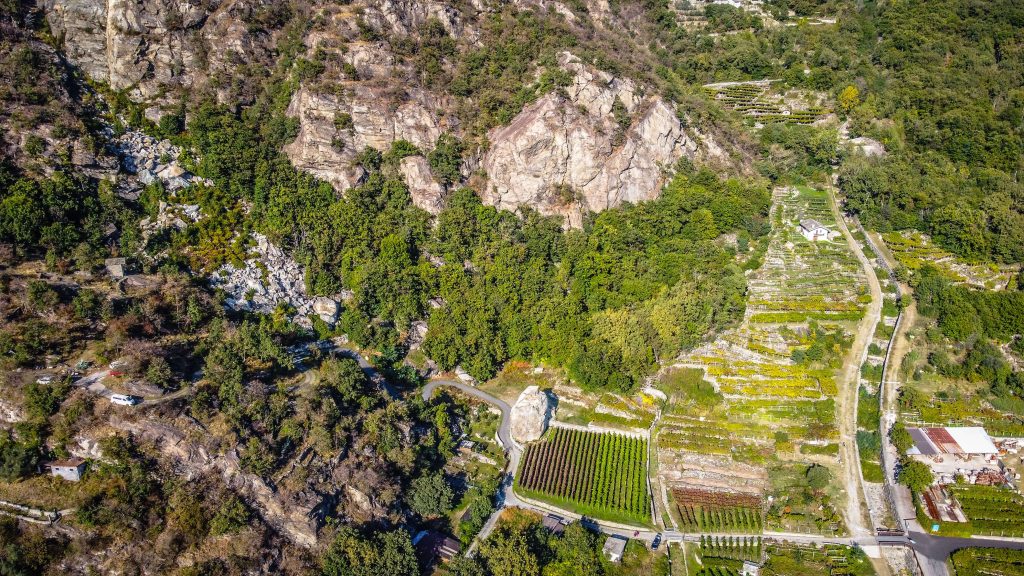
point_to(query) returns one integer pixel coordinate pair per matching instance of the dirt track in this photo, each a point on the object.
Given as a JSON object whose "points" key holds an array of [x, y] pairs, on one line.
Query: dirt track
{"points": [[847, 383]]}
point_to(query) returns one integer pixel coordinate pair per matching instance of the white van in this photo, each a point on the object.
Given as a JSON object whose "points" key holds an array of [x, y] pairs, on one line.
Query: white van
{"points": [[125, 400]]}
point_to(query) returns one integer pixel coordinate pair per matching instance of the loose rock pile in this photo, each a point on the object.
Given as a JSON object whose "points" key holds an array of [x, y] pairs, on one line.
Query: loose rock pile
{"points": [[151, 159], [268, 278], [177, 216]]}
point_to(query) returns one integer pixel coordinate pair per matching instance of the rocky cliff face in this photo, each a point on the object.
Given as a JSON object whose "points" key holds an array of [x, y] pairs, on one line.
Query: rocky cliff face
{"points": [[327, 146], [594, 144], [600, 142], [569, 153], [148, 46]]}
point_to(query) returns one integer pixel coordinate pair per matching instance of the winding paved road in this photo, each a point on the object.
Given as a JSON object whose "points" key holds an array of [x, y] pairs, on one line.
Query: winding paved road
{"points": [[504, 429], [506, 496]]}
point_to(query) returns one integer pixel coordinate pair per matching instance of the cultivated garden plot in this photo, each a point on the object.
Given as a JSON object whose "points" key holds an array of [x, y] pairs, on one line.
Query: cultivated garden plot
{"points": [[765, 392], [602, 475], [914, 249], [785, 559], [754, 100]]}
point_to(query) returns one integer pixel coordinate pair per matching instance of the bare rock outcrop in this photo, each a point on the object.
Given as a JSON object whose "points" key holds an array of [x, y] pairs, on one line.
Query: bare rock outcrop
{"points": [[326, 309], [193, 459], [569, 154], [327, 146], [529, 417], [408, 17], [425, 191], [146, 46]]}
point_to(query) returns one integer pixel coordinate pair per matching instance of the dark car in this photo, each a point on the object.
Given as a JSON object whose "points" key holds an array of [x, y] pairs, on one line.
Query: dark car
{"points": [[656, 542]]}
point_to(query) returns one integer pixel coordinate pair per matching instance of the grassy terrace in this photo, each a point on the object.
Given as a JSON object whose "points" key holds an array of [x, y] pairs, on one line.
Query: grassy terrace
{"points": [[753, 101]]}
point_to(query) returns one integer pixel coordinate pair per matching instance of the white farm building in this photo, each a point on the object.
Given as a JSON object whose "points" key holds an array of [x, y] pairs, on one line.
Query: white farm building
{"points": [[814, 230]]}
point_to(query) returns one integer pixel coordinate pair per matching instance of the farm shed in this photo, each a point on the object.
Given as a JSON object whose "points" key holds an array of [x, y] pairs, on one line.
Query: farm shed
{"points": [[965, 451], [814, 230], [614, 548], [71, 469], [970, 440]]}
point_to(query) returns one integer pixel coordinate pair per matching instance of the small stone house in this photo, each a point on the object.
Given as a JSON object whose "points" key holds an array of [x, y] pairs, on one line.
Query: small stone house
{"points": [[432, 545], [614, 548], [554, 524], [814, 230], [71, 469]]}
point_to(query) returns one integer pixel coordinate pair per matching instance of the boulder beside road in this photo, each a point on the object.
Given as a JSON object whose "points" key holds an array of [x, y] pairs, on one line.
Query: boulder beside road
{"points": [[529, 418]]}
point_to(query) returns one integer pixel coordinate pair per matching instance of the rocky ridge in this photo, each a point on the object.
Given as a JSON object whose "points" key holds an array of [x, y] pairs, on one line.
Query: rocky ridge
{"points": [[595, 144], [568, 153]]}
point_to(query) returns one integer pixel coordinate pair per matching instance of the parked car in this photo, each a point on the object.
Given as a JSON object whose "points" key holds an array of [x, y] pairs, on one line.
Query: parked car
{"points": [[125, 400], [656, 542], [44, 379]]}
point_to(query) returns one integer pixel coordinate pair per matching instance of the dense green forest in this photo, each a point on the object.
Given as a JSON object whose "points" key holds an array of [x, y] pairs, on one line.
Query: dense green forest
{"points": [[515, 286], [938, 83]]}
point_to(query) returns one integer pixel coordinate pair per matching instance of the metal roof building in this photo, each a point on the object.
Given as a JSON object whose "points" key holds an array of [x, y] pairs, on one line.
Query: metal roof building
{"points": [[962, 440]]}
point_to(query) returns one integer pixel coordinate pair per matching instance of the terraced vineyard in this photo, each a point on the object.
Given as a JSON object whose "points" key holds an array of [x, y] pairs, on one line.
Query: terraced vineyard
{"points": [[717, 512], [626, 413], [594, 474], [752, 100], [914, 249], [992, 510], [766, 405]]}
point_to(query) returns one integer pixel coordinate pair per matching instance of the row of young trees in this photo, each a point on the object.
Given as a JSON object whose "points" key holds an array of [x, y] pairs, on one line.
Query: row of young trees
{"points": [[983, 561]]}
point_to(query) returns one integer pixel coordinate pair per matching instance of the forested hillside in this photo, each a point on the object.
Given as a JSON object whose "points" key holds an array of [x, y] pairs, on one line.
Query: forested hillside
{"points": [[938, 83], [237, 237]]}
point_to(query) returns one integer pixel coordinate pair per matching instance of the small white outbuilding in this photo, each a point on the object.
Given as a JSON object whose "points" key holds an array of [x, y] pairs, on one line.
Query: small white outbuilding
{"points": [[814, 230]]}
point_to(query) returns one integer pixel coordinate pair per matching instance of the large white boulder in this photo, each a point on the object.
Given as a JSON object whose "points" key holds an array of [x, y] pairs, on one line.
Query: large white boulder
{"points": [[326, 309], [529, 418]]}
